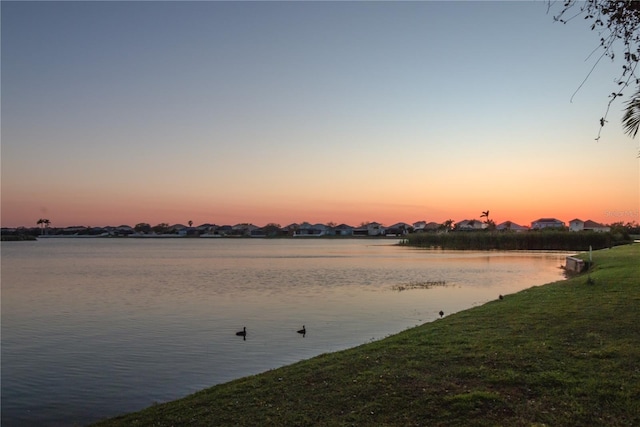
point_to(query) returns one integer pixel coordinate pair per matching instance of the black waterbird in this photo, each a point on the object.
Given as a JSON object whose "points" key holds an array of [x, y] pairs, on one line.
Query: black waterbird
{"points": [[242, 333]]}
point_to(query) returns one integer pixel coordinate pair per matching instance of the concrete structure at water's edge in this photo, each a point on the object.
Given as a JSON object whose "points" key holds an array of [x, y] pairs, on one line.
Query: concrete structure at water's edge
{"points": [[574, 265]]}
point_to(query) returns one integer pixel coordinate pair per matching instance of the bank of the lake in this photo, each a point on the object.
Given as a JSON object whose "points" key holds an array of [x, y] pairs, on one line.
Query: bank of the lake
{"points": [[566, 353], [18, 238]]}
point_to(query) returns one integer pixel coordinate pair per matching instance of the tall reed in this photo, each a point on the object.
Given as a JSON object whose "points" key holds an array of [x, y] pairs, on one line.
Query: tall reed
{"points": [[530, 240]]}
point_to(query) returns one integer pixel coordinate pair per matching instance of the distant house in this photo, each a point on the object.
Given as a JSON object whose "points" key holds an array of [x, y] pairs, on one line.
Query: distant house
{"points": [[369, 229], [470, 225], [398, 229], [510, 226], [375, 229], [596, 226], [588, 225], [432, 226], [547, 223], [98, 231], [206, 228], [343, 230], [258, 232], [122, 230], [179, 229], [310, 230], [244, 229], [209, 230], [190, 232], [576, 225], [75, 230], [224, 230], [290, 229], [419, 226]]}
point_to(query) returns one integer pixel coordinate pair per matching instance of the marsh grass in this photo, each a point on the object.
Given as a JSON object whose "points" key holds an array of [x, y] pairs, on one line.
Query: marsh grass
{"points": [[530, 240], [562, 354]]}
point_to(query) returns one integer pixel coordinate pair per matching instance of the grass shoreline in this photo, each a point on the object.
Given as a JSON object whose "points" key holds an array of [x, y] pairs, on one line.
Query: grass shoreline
{"points": [[564, 353]]}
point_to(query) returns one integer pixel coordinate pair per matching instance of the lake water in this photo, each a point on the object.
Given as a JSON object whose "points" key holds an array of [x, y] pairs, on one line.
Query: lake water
{"points": [[93, 328]]}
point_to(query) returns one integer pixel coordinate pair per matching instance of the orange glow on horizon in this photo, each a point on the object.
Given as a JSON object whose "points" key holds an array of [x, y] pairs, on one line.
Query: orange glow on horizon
{"points": [[353, 215]]}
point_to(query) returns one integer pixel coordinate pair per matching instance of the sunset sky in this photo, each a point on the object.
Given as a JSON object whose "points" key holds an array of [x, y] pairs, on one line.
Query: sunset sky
{"points": [[230, 112]]}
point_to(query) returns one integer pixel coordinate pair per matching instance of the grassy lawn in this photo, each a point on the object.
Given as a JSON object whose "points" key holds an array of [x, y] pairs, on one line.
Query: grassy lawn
{"points": [[566, 353]]}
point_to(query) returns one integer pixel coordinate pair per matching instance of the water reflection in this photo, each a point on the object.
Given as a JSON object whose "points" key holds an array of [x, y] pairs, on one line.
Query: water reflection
{"points": [[96, 327]]}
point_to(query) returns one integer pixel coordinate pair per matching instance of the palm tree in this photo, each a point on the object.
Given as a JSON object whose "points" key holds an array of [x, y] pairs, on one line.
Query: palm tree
{"points": [[41, 224], [631, 118], [44, 224], [490, 224]]}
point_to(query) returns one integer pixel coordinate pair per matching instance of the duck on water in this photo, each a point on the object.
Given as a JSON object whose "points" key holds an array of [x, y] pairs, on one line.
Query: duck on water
{"points": [[242, 333]]}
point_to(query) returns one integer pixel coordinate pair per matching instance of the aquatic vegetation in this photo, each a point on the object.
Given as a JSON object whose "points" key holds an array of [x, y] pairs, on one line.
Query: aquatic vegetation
{"points": [[419, 285]]}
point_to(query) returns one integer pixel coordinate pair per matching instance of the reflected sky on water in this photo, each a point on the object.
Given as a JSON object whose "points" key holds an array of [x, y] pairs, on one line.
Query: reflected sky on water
{"points": [[96, 327]]}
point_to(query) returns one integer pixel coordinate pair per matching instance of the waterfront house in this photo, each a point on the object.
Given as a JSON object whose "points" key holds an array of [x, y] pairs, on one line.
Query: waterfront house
{"points": [[588, 225], [541, 223], [398, 229], [576, 225], [470, 225], [206, 228], [510, 226], [224, 230], [74, 230], [289, 230], [179, 229], [310, 230], [243, 229], [343, 230], [258, 232], [596, 226], [375, 229], [122, 230], [419, 226], [433, 226], [369, 229]]}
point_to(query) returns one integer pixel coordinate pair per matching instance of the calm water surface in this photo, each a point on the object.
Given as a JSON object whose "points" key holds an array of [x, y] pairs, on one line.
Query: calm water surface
{"points": [[93, 328]]}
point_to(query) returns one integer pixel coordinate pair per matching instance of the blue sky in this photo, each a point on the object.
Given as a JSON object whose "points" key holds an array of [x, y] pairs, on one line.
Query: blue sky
{"points": [[256, 112]]}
